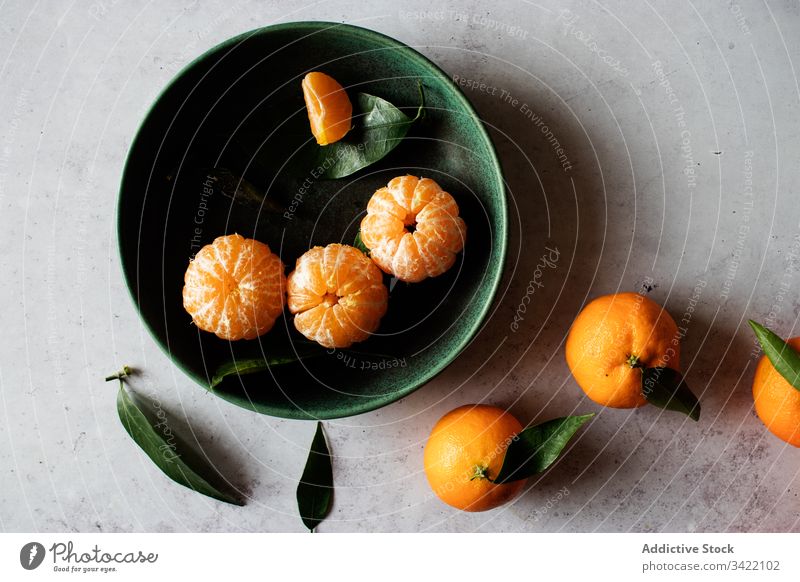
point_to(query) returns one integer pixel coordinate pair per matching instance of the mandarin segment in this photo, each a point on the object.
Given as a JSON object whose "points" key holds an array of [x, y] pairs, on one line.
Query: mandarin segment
{"points": [[234, 288], [465, 451], [777, 402], [337, 295], [329, 108], [409, 203], [611, 339]]}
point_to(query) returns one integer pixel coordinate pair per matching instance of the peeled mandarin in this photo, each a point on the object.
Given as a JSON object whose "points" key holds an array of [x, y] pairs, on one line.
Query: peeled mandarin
{"points": [[234, 288], [337, 295], [329, 108], [413, 229]]}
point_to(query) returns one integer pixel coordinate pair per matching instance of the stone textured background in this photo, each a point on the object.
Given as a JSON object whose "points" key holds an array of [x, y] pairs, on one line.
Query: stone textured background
{"points": [[680, 124]]}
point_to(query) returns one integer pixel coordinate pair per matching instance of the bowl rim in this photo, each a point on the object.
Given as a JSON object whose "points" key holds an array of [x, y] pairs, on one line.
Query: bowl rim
{"points": [[371, 403]]}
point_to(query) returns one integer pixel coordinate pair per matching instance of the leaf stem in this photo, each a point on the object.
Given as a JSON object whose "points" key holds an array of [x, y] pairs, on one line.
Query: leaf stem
{"points": [[421, 110], [480, 473], [123, 373], [634, 361]]}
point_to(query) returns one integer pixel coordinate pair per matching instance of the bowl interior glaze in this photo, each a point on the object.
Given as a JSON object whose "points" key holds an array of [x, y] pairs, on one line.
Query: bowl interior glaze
{"points": [[240, 107]]}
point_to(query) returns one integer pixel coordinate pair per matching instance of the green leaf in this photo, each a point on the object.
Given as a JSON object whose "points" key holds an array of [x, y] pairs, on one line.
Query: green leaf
{"points": [[359, 244], [537, 447], [241, 191], [219, 181], [381, 128], [254, 366], [665, 388], [163, 453], [315, 490], [783, 356], [257, 365]]}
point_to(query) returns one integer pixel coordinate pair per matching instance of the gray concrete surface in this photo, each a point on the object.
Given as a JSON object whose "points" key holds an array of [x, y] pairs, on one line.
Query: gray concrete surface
{"points": [[679, 123]]}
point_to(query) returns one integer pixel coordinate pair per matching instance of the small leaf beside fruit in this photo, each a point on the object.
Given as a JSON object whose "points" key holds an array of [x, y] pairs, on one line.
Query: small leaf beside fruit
{"points": [[537, 447], [665, 388], [783, 356], [359, 244], [381, 128], [315, 490]]}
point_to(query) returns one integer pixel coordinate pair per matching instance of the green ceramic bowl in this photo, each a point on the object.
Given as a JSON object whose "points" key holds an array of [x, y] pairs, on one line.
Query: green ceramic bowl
{"points": [[240, 107]]}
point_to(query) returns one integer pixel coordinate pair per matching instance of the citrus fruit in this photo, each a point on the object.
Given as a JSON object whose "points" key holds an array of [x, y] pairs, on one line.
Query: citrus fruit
{"points": [[612, 338], [329, 108], [777, 402], [337, 295], [464, 451], [412, 229], [234, 288]]}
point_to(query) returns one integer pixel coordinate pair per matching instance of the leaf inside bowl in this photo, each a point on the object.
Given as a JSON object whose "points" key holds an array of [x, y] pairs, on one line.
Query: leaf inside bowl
{"points": [[381, 128]]}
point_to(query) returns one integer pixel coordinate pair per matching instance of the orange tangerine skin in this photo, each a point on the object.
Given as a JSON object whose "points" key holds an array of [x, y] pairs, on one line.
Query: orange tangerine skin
{"points": [[235, 288], [439, 232], [777, 402], [329, 109], [471, 436], [607, 333], [337, 295]]}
